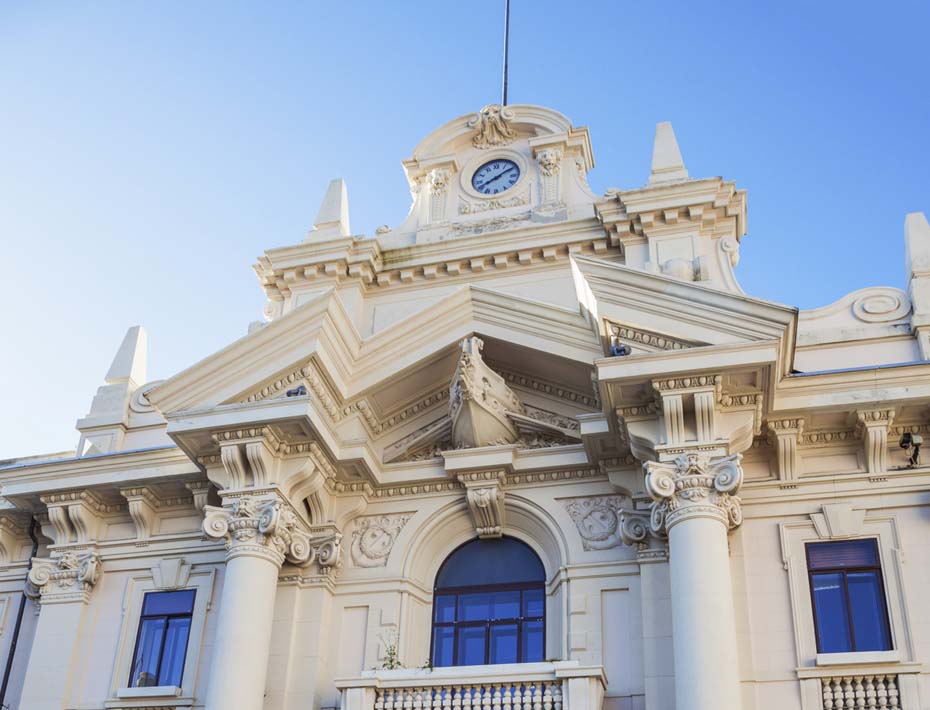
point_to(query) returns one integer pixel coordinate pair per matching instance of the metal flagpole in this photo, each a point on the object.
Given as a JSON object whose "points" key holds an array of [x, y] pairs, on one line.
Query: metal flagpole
{"points": [[506, 47]]}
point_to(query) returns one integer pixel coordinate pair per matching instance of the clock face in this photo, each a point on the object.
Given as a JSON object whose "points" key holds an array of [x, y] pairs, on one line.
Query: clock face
{"points": [[495, 176]]}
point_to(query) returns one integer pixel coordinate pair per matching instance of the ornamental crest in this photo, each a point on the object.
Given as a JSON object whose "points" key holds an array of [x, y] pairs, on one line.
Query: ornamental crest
{"points": [[597, 519], [373, 539], [492, 124]]}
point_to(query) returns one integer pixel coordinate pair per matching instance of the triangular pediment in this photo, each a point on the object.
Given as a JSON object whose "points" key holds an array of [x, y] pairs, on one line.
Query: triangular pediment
{"points": [[655, 313], [318, 346]]}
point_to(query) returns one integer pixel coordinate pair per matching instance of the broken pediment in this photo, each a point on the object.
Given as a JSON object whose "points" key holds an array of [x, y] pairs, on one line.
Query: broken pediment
{"points": [[483, 411]]}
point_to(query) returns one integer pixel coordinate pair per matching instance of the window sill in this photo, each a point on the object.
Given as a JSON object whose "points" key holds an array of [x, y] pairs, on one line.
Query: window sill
{"points": [[858, 658], [152, 691]]}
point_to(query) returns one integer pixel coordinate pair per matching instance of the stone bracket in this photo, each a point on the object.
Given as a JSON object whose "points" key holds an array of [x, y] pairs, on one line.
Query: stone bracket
{"points": [[484, 492], [872, 425], [785, 435]]}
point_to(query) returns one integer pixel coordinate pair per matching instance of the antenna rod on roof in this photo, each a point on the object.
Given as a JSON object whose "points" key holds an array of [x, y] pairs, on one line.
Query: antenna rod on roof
{"points": [[506, 45]]}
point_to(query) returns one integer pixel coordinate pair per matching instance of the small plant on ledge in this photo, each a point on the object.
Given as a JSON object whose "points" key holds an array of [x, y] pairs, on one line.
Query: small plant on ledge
{"points": [[390, 660]]}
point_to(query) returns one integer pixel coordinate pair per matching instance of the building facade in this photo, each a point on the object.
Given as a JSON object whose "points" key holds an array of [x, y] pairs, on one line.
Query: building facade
{"points": [[532, 449]]}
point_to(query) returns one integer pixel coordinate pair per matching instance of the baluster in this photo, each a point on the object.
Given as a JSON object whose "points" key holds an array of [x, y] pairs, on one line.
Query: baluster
{"points": [[858, 692], [826, 689], [557, 696], [447, 697], [417, 699], [438, 700], [379, 700], [870, 696], [547, 696], [466, 697], [892, 685], [881, 692], [388, 698], [507, 700], [486, 692], [496, 697], [849, 695], [527, 699], [537, 696]]}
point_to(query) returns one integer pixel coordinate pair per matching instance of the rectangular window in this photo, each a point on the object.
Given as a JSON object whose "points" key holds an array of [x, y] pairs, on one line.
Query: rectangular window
{"points": [[848, 596], [161, 644]]}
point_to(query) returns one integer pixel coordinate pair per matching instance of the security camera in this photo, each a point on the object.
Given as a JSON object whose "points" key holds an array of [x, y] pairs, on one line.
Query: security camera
{"points": [[912, 442], [619, 350]]}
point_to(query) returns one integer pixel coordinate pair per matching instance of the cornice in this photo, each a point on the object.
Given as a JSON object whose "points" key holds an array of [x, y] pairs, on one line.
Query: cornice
{"points": [[123, 468], [854, 388], [282, 271]]}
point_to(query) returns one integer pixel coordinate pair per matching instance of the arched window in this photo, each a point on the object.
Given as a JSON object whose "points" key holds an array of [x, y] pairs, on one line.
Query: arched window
{"points": [[489, 605]]}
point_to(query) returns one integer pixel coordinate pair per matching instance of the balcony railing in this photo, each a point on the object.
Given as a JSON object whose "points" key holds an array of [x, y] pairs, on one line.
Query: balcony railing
{"points": [[561, 685], [860, 691]]}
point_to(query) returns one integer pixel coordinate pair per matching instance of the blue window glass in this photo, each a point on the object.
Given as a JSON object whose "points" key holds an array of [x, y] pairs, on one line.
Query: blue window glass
{"points": [[503, 645], [490, 563], [161, 643], [848, 596], [443, 640], [533, 641], [489, 605], [471, 643]]}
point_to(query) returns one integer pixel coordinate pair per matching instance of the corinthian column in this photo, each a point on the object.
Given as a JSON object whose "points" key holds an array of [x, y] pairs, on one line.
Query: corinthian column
{"points": [[261, 531], [695, 504]]}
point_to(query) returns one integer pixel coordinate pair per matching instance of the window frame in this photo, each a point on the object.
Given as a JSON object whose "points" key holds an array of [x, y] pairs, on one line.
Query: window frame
{"points": [[845, 571], [199, 578], [143, 617], [519, 621], [487, 623]]}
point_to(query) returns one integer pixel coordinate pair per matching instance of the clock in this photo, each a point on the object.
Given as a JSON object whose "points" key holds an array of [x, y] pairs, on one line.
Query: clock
{"points": [[495, 176]]}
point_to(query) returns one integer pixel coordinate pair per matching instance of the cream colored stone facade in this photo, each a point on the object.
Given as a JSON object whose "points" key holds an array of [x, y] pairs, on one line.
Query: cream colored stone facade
{"points": [[579, 371]]}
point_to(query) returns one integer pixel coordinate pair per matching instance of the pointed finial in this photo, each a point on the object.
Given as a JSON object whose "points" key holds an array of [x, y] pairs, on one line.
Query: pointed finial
{"points": [[917, 245], [129, 365], [332, 220], [667, 163]]}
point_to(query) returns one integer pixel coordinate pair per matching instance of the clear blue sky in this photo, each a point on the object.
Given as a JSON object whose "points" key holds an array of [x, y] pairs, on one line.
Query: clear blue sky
{"points": [[149, 152]]}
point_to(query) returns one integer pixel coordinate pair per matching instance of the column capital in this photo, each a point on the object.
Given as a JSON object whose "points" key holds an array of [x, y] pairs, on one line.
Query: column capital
{"points": [[69, 576], [265, 526], [636, 532], [694, 485]]}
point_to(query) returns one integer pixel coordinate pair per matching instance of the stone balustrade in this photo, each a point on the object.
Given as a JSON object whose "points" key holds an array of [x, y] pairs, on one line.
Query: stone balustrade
{"points": [[561, 685], [860, 691]]}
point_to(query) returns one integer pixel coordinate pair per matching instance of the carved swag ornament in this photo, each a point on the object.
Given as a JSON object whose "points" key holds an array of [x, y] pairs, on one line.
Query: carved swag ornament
{"points": [[694, 486], [268, 528]]}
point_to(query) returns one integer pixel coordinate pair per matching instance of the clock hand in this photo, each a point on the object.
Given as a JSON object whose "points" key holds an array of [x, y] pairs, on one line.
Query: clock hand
{"points": [[498, 176]]}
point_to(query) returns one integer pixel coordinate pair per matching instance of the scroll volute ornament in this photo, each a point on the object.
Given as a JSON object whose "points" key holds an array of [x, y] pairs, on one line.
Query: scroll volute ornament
{"points": [[694, 486], [267, 527]]}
